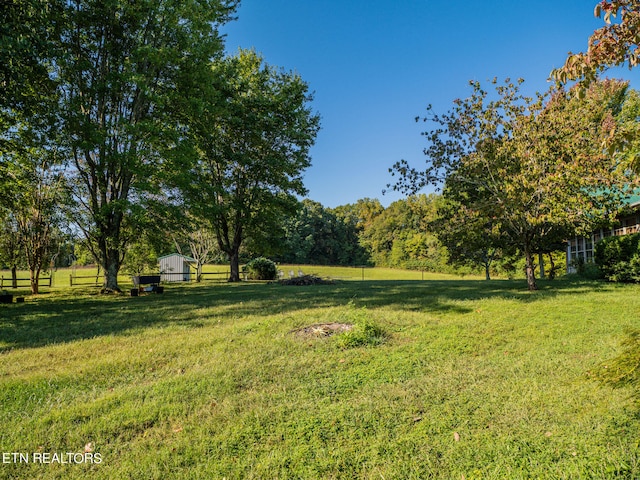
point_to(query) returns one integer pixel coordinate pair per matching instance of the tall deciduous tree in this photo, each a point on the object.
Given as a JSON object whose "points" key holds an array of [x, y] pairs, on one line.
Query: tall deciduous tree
{"points": [[616, 43], [39, 192], [29, 30], [121, 73], [538, 166], [471, 236], [196, 241], [252, 133], [31, 167]]}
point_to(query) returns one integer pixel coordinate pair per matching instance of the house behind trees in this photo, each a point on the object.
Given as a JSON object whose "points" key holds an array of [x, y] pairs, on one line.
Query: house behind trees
{"points": [[580, 250]]}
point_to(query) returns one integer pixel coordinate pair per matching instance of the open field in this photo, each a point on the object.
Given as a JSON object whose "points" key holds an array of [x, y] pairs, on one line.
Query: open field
{"points": [[82, 277], [474, 380], [87, 277]]}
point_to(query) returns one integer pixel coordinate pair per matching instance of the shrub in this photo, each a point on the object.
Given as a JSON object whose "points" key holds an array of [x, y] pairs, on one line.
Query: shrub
{"points": [[587, 270], [306, 280], [619, 258], [261, 269], [591, 271], [364, 332]]}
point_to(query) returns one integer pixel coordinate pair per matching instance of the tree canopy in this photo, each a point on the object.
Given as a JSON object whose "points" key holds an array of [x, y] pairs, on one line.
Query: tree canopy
{"points": [[250, 131], [535, 166], [320, 236], [614, 44], [121, 67]]}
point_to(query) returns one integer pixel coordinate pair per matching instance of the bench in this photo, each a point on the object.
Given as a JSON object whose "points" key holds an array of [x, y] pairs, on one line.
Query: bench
{"points": [[140, 280]]}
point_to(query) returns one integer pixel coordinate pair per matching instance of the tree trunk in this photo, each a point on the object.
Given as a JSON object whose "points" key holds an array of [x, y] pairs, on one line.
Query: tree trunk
{"points": [[552, 268], [234, 265], [111, 267], [14, 276], [198, 272], [530, 269], [487, 259], [34, 279], [111, 279], [541, 262]]}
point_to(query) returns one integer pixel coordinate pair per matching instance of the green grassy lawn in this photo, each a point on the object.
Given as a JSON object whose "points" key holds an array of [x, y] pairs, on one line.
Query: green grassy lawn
{"points": [[360, 273], [88, 276], [208, 381]]}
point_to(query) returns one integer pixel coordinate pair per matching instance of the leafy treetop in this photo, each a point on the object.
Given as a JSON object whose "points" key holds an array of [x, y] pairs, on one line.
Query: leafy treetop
{"points": [[612, 45]]}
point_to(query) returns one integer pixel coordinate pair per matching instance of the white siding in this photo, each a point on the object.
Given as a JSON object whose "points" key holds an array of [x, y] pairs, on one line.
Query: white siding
{"points": [[171, 266]]}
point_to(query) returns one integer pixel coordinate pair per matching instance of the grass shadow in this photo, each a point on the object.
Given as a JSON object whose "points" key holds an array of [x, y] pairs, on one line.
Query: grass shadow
{"points": [[61, 318]]}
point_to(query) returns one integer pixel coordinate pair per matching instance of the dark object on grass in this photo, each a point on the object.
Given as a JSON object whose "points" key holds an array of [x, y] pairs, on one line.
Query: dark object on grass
{"points": [[305, 280], [19, 299], [6, 298], [139, 280], [135, 292]]}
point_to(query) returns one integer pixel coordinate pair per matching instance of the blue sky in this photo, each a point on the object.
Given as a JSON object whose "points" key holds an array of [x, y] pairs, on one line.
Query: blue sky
{"points": [[375, 65]]}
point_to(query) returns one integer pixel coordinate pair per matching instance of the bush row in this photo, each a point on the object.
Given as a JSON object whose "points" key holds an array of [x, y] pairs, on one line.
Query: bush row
{"points": [[619, 258]]}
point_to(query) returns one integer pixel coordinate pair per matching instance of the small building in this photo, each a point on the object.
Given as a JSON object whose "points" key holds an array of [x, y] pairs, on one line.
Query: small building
{"points": [[175, 267]]}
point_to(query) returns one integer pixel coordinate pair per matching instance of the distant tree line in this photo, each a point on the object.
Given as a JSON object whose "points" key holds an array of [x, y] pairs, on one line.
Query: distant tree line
{"points": [[405, 234], [365, 233]]}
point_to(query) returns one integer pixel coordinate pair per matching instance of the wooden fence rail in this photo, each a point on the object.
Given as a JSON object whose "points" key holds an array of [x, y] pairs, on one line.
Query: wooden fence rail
{"points": [[192, 277], [73, 279], [97, 280], [223, 279], [8, 282]]}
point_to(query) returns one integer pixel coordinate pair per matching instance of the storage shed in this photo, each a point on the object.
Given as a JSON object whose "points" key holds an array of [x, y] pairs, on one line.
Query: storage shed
{"points": [[175, 268]]}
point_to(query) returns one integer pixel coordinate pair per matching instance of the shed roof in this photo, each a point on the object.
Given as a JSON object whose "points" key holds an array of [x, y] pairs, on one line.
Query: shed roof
{"points": [[184, 257]]}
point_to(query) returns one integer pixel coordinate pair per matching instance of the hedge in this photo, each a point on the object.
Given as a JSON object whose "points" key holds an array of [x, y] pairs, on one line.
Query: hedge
{"points": [[619, 258]]}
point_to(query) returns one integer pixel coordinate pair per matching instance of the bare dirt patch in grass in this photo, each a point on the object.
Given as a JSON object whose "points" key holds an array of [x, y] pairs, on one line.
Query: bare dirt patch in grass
{"points": [[322, 330]]}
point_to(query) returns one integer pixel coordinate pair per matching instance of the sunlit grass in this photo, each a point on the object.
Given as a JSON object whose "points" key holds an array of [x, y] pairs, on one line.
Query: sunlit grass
{"points": [[88, 277], [366, 273], [475, 379]]}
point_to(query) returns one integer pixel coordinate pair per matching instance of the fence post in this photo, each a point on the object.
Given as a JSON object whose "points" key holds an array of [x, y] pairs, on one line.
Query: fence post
{"points": [[71, 279], [1, 281]]}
